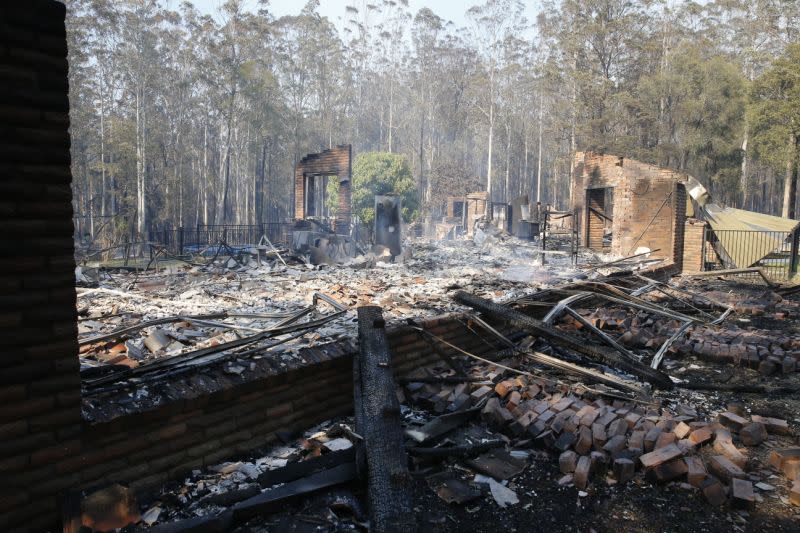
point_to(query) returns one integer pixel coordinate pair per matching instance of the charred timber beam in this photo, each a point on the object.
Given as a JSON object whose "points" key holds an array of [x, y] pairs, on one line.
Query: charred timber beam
{"points": [[559, 338], [378, 422]]}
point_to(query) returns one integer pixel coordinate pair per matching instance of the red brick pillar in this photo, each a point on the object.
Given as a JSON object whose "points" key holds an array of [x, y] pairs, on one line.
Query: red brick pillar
{"points": [[39, 380]]}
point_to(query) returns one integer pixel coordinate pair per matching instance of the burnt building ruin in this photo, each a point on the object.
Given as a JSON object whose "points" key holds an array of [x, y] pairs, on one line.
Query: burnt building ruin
{"points": [[642, 205], [502, 362], [311, 177]]}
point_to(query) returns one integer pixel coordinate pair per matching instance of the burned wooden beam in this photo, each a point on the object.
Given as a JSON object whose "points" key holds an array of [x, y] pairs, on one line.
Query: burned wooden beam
{"points": [[463, 450], [305, 468], [731, 272], [377, 414], [273, 499], [441, 425], [559, 338], [442, 379]]}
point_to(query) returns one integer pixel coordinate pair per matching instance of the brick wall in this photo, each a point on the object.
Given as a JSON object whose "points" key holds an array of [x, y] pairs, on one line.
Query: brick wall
{"points": [[192, 430], [149, 448], [647, 211], [333, 162], [476, 208], [39, 382], [693, 239]]}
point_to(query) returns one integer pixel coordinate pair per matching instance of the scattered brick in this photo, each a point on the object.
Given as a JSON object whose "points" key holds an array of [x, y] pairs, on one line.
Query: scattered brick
{"points": [[732, 420], [742, 495], [623, 469], [660, 455], [581, 475], [724, 469], [567, 462], [714, 491], [753, 434], [794, 493], [695, 470], [668, 471], [701, 436], [681, 430], [584, 442]]}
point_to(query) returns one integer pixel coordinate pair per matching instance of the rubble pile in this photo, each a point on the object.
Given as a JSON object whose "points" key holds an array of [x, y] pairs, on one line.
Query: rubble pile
{"points": [[735, 341], [573, 383], [612, 441], [228, 299]]}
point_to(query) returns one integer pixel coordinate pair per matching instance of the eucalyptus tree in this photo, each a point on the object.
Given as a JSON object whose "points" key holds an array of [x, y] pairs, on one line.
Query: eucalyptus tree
{"points": [[492, 23]]}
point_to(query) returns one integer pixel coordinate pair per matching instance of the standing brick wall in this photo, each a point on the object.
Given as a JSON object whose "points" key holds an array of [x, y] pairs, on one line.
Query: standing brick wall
{"points": [[647, 211], [333, 162], [693, 242], [39, 381], [475, 207]]}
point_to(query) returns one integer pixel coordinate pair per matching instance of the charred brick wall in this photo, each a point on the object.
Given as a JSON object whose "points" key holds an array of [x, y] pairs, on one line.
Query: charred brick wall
{"points": [[149, 448], [192, 429], [39, 382], [649, 203], [333, 162]]}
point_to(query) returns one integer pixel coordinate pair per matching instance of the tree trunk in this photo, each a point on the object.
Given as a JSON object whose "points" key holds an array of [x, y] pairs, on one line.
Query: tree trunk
{"points": [[743, 178], [790, 183], [506, 185], [489, 158], [204, 184], [573, 120], [539, 164], [141, 154], [102, 160]]}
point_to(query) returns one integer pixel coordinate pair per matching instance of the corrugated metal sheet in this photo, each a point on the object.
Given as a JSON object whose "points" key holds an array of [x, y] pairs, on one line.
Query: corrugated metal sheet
{"points": [[747, 253]]}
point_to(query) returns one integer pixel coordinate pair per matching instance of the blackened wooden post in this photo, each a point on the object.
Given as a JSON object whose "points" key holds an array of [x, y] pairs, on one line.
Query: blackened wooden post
{"points": [[377, 415], [794, 258], [180, 240]]}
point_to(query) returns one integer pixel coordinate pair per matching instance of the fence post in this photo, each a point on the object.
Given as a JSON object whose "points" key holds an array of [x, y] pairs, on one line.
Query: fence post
{"points": [[794, 258], [703, 246], [180, 240]]}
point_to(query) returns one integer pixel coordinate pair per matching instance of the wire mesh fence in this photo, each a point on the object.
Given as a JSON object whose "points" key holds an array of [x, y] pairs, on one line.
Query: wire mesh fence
{"points": [[200, 239]]}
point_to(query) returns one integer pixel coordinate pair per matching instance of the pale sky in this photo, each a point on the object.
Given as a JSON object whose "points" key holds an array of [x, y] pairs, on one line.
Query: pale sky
{"points": [[335, 9]]}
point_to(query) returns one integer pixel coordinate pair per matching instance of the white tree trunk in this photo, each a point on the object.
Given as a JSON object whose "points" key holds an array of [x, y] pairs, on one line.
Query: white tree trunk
{"points": [[539, 164]]}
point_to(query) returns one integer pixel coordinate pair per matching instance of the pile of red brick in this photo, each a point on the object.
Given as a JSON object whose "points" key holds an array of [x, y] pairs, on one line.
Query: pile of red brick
{"points": [[595, 437], [768, 351]]}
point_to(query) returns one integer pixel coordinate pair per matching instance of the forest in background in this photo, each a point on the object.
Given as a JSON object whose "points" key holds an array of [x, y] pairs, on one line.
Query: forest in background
{"points": [[179, 118]]}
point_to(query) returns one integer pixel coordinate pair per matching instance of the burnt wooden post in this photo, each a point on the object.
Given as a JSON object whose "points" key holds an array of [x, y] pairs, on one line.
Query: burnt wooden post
{"points": [[377, 415], [793, 260], [180, 240]]}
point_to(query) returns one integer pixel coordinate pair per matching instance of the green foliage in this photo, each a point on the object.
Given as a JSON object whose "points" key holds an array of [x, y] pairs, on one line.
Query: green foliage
{"points": [[774, 112], [382, 173], [693, 114]]}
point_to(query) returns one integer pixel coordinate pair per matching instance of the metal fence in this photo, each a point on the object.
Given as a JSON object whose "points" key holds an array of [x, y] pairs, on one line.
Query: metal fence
{"points": [[771, 250], [198, 239]]}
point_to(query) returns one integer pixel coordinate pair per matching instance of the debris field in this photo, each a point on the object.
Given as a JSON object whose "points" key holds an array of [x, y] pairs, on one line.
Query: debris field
{"points": [[599, 397]]}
